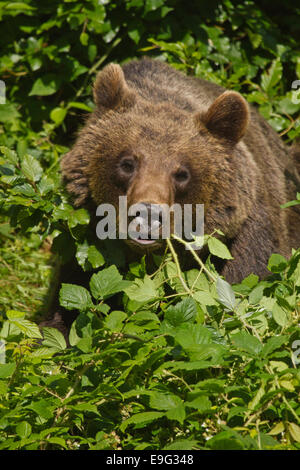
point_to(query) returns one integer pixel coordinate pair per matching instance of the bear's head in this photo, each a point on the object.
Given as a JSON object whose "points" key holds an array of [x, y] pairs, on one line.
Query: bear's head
{"points": [[157, 154]]}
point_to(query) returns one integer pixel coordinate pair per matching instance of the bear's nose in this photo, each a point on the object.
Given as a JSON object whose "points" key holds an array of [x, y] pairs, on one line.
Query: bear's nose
{"points": [[148, 220]]}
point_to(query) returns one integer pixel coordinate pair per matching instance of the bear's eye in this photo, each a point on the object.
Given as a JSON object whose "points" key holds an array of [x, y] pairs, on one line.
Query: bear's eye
{"points": [[182, 176], [127, 165]]}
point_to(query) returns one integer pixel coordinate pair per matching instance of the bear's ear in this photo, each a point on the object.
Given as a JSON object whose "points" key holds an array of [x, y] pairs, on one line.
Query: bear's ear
{"points": [[227, 117], [111, 90]]}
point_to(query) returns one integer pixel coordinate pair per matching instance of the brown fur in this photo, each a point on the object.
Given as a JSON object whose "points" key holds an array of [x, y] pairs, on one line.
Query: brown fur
{"points": [[165, 123], [158, 136]]}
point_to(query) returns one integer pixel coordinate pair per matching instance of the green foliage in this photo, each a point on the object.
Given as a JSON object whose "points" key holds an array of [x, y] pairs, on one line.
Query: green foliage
{"points": [[55, 49], [163, 360], [160, 369]]}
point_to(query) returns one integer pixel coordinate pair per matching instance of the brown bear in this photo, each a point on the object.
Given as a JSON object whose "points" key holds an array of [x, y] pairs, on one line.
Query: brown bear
{"points": [[160, 137]]}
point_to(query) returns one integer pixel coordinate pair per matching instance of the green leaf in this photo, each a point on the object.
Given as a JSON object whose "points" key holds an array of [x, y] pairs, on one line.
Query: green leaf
{"points": [[202, 404], [73, 336], [182, 444], [177, 413], [279, 315], [95, 257], [278, 123], [82, 253], [151, 5], [236, 411], [189, 336], [250, 281], [141, 418], [35, 63], [294, 430], [164, 401], [23, 429], [25, 189], [246, 342], [272, 344], [213, 385], [84, 39], [31, 168], [89, 256], [196, 280], [226, 294], [256, 294], [15, 314], [3, 387], [135, 34], [183, 311], [30, 329], [277, 263], [63, 211], [11, 155], [74, 297], [191, 365], [204, 298], [259, 394], [114, 321], [107, 282], [272, 76], [18, 6], [278, 429], [57, 440], [295, 202], [78, 217], [85, 407], [46, 85], [217, 248], [255, 38], [53, 338], [8, 112], [144, 317], [85, 344], [225, 440], [45, 185], [6, 370], [142, 290], [43, 352], [286, 105], [78, 105], [92, 52], [43, 408], [58, 115]]}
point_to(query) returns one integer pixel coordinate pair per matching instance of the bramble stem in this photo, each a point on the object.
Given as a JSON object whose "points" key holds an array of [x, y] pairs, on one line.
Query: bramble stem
{"points": [[179, 272], [199, 260]]}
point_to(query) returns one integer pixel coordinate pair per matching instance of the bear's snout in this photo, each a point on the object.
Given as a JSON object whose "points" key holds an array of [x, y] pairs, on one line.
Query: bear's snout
{"points": [[146, 223]]}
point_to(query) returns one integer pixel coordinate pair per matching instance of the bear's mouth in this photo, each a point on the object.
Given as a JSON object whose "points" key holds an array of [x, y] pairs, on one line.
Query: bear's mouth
{"points": [[144, 243], [143, 235]]}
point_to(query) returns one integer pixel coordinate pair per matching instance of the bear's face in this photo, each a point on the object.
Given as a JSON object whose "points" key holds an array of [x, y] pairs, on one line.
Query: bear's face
{"points": [[157, 154]]}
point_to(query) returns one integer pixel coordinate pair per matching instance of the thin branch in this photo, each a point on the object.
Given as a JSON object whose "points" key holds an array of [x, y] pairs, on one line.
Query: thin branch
{"points": [[179, 272], [199, 260]]}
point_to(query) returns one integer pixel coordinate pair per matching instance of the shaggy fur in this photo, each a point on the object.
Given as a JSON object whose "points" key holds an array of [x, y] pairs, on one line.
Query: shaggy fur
{"points": [[165, 122], [162, 137]]}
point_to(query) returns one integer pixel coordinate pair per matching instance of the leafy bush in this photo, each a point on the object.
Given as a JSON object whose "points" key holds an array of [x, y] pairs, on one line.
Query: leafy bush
{"points": [[185, 361], [204, 366]]}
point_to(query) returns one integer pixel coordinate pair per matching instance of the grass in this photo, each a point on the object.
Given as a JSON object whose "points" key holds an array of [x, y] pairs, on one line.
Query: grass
{"points": [[26, 273]]}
